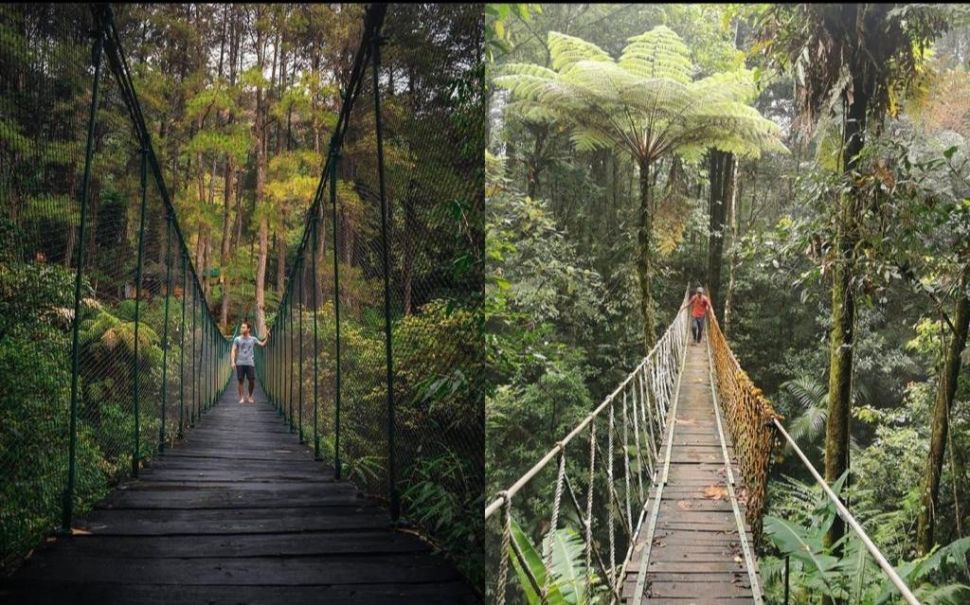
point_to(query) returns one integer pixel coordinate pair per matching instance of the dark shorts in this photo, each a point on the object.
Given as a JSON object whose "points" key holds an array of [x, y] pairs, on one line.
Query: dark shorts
{"points": [[244, 372]]}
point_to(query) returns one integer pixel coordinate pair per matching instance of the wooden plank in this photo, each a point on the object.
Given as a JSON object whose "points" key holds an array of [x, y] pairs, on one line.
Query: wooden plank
{"points": [[246, 520], [699, 518], [249, 571], [88, 593], [192, 461], [237, 513], [243, 545], [695, 590], [296, 453], [229, 475], [234, 496], [696, 567]]}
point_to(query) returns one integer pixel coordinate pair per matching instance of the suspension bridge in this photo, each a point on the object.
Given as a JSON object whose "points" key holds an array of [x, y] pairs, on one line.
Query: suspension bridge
{"points": [[664, 483], [162, 486]]}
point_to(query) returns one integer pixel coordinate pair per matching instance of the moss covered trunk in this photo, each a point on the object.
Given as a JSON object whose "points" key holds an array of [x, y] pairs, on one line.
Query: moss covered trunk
{"points": [[840, 370], [842, 335], [945, 392]]}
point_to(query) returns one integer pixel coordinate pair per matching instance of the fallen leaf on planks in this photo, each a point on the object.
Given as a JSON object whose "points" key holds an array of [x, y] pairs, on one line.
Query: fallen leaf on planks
{"points": [[716, 492]]}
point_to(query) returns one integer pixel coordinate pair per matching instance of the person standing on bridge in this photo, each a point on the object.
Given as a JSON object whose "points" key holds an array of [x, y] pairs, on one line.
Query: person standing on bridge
{"points": [[243, 359], [699, 303]]}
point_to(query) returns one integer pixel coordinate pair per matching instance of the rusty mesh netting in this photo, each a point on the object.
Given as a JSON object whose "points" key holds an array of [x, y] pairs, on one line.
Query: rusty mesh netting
{"points": [[750, 419]]}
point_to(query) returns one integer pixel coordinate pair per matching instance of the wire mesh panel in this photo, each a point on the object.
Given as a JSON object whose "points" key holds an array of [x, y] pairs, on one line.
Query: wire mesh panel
{"points": [[45, 99], [431, 92], [106, 330], [376, 349]]}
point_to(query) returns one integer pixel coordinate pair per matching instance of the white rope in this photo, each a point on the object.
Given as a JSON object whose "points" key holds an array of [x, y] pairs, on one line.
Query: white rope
{"points": [[626, 463]]}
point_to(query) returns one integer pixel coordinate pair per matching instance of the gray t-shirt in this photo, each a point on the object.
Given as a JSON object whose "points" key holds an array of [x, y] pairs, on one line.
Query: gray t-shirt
{"points": [[244, 350]]}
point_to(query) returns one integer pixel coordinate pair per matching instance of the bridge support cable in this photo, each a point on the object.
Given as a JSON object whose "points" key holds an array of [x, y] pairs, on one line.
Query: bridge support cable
{"points": [[755, 427], [854, 524], [654, 511], [586, 462], [750, 420]]}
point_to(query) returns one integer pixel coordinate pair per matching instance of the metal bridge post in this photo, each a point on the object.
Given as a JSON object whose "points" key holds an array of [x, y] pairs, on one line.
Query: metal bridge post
{"points": [[393, 496], [185, 293], [316, 353], [299, 271], [204, 363], [168, 296], [68, 496], [334, 160], [290, 370], [136, 454], [280, 362], [195, 306]]}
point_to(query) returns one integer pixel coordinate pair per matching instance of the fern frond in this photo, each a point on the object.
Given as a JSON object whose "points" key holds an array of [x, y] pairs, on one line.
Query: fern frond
{"points": [[591, 139], [658, 53], [649, 90], [565, 51]]}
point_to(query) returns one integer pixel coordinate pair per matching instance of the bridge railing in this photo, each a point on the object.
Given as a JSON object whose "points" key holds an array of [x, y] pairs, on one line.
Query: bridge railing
{"points": [[755, 428], [751, 422], [596, 481], [375, 351], [108, 348]]}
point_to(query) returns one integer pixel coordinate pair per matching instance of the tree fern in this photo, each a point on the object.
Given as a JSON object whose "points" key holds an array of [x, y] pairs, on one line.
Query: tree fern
{"points": [[648, 103]]}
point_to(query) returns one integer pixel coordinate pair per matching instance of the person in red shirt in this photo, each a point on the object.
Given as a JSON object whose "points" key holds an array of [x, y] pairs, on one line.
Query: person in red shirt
{"points": [[699, 304]]}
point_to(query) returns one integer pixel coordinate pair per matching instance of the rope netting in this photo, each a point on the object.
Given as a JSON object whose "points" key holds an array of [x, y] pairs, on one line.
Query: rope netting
{"points": [[597, 481], [376, 349], [108, 348], [751, 422], [755, 430]]}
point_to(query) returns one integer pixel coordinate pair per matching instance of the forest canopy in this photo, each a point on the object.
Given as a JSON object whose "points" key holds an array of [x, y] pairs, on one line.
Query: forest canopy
{"points": [[827, 214]]}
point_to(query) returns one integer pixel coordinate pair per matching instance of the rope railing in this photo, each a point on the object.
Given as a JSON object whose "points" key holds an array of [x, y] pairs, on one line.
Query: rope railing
{"points": [[602, 472], [375, 348], [755, 428], [905, 592], [750, 420]]}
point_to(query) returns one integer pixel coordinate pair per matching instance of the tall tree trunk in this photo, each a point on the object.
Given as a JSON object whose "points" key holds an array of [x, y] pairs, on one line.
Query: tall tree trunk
{"points": [[230, 174], [842, 336], [281, 260], [263, 253], [645, 260], [733, 263], [280, 235], [226, 241], [945, 391], [722, 167]]}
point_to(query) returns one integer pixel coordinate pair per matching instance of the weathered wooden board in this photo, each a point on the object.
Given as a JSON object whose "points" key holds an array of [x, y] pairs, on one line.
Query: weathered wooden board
{"points": [[239, 512], [695, 555]]}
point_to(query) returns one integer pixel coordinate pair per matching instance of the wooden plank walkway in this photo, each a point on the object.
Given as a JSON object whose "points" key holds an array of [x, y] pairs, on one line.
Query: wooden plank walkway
{"points": [[695, 556], [238, 513]]}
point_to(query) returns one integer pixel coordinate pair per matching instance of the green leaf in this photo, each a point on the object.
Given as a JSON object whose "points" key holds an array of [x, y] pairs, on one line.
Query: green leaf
{"points": [[532, 560], [795, 542]]}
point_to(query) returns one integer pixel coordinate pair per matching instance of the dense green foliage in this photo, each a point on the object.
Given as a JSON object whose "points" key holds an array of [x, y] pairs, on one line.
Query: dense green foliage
{"points": [[241, 102], [563, 300]]}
